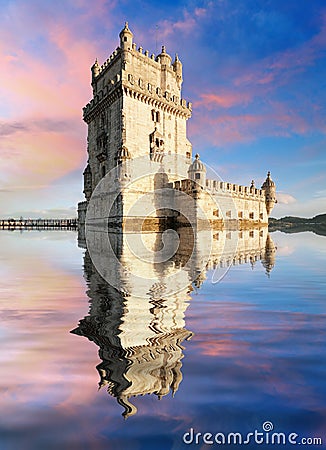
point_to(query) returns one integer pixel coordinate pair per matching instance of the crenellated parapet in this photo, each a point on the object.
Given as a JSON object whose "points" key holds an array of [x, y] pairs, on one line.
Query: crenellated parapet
{"points": [[237, 190], [219, 187]]}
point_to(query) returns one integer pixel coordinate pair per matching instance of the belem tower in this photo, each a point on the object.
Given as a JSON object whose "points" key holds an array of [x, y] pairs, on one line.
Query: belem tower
{"points": [[140, 171]]}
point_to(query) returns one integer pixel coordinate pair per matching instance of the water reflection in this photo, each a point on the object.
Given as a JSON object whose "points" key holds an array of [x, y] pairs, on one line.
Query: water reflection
{"points": [[139, 323]]}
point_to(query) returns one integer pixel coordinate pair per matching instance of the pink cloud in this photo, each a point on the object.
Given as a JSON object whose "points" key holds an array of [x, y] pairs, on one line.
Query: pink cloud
{"points": [[226, 129], [38, 93], [222, 99]]}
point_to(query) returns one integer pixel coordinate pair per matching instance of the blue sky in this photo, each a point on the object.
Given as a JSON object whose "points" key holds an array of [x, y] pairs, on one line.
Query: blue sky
{"points": [[255, 72]]}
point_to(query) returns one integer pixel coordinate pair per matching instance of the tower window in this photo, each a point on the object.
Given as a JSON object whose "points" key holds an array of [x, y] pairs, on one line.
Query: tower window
{"points": [[251, 215], [155, 116], [125, 39], [197, 176]]}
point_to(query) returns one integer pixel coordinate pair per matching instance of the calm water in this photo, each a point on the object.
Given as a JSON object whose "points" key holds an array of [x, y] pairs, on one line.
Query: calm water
{"points": [[237, 353]]}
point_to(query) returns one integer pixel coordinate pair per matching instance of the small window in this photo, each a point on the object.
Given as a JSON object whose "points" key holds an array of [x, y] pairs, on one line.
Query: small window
{"points": [[261, 215], [157, 116], [125, 39], [228, 214], [103, 171], [251, 234], [251, 215], [216, 212], [188, 155], [240, 214], [197, 176]]}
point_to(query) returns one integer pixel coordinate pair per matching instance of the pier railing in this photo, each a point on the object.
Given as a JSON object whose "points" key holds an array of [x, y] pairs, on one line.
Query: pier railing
{"points": [[12, 224]]}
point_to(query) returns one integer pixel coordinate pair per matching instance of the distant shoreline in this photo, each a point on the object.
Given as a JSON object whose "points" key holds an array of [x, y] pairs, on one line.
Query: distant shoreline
{"points": [[290, 224]]}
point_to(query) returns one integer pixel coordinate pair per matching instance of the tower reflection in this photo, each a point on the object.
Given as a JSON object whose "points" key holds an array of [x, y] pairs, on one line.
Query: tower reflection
{"points": [[140, 338]]}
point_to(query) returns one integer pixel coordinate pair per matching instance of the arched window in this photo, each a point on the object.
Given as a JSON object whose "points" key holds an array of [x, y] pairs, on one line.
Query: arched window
{"points": [[103, 171]]}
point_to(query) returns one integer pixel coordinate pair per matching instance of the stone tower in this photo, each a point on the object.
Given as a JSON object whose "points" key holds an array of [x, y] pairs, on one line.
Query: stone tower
{"points": [[136, 110], [270, 193]]}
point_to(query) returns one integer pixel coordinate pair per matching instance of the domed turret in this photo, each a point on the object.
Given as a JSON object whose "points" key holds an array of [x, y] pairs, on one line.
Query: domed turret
{"points": [[197, 171], [164, 58], [270, 193], [126, 38]]}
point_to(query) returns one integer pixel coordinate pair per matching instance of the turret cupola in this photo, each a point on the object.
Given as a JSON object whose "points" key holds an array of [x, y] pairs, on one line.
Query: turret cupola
{"points": [[268, 182], [164, 58], [126, 38], [197, 171]]}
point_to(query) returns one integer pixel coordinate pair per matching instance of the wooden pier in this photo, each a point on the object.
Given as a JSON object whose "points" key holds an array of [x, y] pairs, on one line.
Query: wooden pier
{"points": [[38, 224]]}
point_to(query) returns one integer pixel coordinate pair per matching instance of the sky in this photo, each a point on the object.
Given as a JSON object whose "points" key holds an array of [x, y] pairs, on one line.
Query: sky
{"points": [[255, 72]]}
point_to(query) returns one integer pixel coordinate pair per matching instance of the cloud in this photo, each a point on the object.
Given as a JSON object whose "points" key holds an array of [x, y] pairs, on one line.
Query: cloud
{"points": [[223, 129], [285, 199], [186, 25], [7, 129], [283, 65], [308, 208], [222, 99]]}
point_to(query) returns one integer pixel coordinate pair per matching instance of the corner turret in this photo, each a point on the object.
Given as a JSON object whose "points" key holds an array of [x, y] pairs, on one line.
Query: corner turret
{"points": [[177, 67], [270, 193], [95, 69], [126, 38]]}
